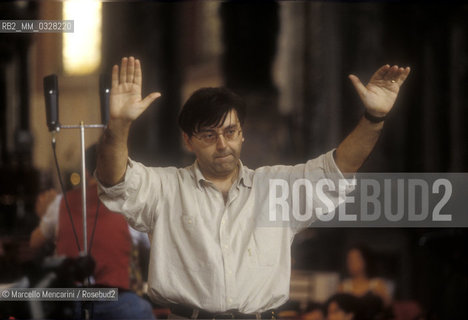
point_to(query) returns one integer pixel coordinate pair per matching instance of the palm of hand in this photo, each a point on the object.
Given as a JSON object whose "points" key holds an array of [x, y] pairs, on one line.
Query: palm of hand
{"points": [[125, 98], [382, 90], [380, 96], [124, 101]]}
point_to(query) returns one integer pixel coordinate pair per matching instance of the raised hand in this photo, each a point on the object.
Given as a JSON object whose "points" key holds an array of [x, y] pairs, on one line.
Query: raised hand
{"points": [[380, 93], [125, 98]]}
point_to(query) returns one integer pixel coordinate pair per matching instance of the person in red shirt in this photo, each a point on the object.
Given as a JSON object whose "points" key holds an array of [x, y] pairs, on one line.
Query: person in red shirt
{"points": [[110, 243]]}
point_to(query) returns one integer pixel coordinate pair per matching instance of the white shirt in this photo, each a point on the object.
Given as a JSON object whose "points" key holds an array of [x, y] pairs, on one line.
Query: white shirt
{"points": [[207, 253], [48, 224]]}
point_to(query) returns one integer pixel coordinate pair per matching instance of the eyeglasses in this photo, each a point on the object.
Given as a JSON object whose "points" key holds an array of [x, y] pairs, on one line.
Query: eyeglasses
{"points": [[211, 136]]}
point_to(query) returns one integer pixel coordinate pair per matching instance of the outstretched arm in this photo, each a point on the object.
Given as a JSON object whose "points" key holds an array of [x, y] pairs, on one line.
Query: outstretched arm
{"points": [[378, 97], [126, 105]]}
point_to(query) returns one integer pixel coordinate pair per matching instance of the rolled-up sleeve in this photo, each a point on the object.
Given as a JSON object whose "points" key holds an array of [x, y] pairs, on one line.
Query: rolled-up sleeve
{"points": [[330, 185], [323, 167], [302, 192], [135, 197], [332, 171]]}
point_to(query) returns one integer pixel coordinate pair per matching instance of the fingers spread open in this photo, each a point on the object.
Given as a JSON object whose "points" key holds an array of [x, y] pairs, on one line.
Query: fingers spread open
{"points": [[394, 74]]}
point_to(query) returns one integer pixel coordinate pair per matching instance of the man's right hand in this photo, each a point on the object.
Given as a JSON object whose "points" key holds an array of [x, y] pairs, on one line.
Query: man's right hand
{"points": [[125, 99], [125, 106]]}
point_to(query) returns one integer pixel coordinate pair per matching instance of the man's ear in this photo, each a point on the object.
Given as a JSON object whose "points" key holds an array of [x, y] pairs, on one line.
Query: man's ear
{"points": [[188, 143]]}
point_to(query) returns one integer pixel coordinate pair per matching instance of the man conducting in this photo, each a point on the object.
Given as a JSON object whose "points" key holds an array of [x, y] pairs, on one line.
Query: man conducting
{"points": [[213, 254]]}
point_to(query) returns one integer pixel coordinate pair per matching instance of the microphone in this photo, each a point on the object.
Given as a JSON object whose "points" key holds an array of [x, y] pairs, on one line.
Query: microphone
{"points": [[51, 101], [104, 95]]}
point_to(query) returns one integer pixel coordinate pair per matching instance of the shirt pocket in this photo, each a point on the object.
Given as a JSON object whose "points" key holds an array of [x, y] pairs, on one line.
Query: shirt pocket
{"points": [[192, 253]]}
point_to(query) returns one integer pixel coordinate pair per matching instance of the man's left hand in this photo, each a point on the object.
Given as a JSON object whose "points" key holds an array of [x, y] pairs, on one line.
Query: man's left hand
{"points": [[380, 93]]}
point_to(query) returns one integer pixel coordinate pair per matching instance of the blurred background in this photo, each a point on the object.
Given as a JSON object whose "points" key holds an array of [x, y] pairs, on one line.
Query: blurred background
{"points": [[290, 61]]}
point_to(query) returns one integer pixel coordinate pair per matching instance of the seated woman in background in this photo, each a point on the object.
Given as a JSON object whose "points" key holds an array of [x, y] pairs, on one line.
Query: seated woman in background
{"points": [[373, 292]]}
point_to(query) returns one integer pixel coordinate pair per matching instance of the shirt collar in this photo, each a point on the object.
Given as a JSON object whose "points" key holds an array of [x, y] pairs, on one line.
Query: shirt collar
{"points": [[243, 177], [198, 174]]}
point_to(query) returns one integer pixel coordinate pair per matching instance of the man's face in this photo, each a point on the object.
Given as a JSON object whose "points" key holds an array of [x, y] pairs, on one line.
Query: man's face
{"points": [[218, 159]]}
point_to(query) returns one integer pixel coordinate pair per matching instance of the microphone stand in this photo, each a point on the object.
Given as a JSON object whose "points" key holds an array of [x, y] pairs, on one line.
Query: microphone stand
{"points": [[82, 128], [51, 101]]}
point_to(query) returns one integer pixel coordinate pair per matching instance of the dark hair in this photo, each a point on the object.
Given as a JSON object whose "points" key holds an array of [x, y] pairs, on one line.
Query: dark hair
{"points": [[209, 107], [346, 302], [312, 306], [367, 257]]}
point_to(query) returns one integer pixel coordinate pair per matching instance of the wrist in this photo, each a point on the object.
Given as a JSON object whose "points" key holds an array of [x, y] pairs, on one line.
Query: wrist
{"points": [[118, 128], [374, 119]]}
